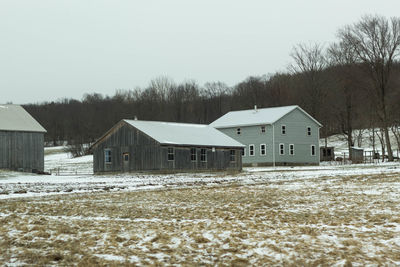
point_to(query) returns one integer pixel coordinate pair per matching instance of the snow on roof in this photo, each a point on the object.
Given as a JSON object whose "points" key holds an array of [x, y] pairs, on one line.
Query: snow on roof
{"points": [[255, 117], [184, 133], [16, 118]]}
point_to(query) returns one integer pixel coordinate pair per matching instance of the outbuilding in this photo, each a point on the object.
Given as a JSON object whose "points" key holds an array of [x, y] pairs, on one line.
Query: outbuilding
{"points": [[134, 145], [273, 136], [21, 140]]}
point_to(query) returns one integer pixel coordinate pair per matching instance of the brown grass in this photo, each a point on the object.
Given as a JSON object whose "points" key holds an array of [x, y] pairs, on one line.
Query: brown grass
{"points": [[298, 222]]}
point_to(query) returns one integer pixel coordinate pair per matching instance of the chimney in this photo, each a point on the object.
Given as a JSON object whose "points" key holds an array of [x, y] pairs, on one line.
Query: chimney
{"points": [[135, 118], [255, 108]]}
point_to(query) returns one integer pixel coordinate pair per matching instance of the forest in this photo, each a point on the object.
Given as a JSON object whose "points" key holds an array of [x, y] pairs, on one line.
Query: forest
{"points": [[351, 84]]}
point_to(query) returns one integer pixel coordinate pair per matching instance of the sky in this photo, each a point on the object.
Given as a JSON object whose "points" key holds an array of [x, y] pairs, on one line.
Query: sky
{"points": [[54, 49]]}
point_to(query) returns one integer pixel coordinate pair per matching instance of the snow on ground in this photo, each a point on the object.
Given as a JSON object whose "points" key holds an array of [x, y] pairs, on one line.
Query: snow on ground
{"points": [[362, 138], [76, 176], [336, 215]]}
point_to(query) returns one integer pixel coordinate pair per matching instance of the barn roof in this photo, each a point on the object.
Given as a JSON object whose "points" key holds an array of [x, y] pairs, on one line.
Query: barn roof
{"points": [[16, 118], [184, 133], [256, 117]]}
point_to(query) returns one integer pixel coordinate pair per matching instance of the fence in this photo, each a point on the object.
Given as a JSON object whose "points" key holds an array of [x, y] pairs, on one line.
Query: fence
{"points": [[66, 172], [369, 157]]}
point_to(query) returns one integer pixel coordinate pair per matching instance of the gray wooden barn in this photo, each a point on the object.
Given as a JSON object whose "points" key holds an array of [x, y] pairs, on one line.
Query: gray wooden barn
{"points": [[133, 145], [21, 140], [274, 136]]}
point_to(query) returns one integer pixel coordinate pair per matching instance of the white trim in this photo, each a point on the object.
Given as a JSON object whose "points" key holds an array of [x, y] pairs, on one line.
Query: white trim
{"points": [[265, 149], [238, 131], [315, 151], [308, 127], [290, 149], [234, 155], [261, 129], [244, 152], [254, 150], [205, 155], [105, 156], [173, 154], [283, 125], [195, 154], [280, 150]]}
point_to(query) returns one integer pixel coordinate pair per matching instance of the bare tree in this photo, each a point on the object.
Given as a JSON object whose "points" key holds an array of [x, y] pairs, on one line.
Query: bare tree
{"points": [[342, 59], [310, 63], [376, 41]]}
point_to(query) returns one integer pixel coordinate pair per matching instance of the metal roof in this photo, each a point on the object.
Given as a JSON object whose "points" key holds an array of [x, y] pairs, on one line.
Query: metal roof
{"points": [[16, 118], [256, 117], [184, 133]]}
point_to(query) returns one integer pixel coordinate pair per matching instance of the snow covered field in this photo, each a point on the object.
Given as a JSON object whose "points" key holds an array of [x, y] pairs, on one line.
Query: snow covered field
{"points": [[326, 215]]}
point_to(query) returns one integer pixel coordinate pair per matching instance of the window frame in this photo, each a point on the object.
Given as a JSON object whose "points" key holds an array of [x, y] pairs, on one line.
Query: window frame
{"points": [[311, 150], [107, 156], [263, 129], [283, 129], [254, 150], [265, 149], [125, 155], [309, 133], [169, 154], [193, 159], [232, 157], [238, 131], [291, 149], [203, 154], [243, 152], [281, 149]]}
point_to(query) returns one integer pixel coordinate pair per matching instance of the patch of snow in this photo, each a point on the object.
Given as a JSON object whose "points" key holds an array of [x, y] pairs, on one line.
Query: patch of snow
{"points": [[110, 257]]}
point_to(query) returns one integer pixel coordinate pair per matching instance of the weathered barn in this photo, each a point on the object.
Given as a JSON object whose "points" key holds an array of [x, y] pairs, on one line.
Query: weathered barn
{"points": [[133, 145], [273, 136], [21, 140]]}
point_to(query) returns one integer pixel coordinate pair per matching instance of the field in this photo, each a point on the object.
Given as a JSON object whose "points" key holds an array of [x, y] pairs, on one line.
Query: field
{"points": [[327, 215]]}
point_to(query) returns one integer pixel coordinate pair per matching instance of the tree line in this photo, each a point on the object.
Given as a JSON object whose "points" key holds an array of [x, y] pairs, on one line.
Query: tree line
{"points": [[351, 84]]}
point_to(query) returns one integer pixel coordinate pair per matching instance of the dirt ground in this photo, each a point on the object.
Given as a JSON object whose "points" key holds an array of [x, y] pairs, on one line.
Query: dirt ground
{"points": [[340, 221]]}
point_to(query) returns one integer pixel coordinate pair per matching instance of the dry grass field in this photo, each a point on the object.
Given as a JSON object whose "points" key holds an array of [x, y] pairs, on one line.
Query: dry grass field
{"points": [[342, 221]]}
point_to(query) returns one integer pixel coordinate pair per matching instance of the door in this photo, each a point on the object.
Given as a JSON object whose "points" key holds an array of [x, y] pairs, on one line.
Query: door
{"points": [[125, 161]]}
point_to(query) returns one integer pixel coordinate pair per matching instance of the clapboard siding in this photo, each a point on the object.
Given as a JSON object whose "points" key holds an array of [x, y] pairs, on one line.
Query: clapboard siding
{"points": [[22, 151], [296, 123], [146, 154]]}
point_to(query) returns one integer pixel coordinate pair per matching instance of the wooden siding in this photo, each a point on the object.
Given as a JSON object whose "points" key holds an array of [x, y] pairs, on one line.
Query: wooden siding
{"points": [[296, 123], [21, 151], [146, 154]]}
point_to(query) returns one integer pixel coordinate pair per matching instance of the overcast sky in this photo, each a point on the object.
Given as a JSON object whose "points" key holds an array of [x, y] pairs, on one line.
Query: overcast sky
{"points": [[53, 49]]}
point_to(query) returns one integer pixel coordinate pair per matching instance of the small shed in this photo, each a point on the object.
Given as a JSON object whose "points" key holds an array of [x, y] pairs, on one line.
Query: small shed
{"points": [[133, 145], [357, 155], [327, 153], [21, 140]]}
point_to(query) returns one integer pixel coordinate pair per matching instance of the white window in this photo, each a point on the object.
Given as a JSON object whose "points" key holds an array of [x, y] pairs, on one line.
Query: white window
{"points": [[263, 129], [238, 131], [232, 156], [312, 150], [203, 155], [251, 150], [283, 129], [193, 154], [171, 154], [107, 156], [263, 149], [291, 149], [281, 149], [243, 152], [309, 131]]}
